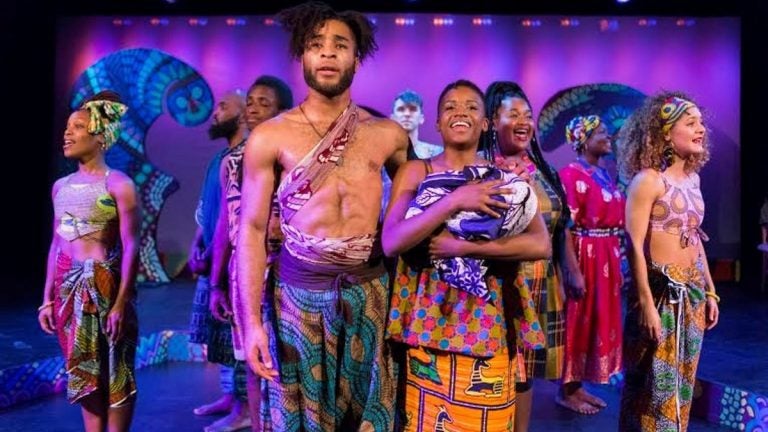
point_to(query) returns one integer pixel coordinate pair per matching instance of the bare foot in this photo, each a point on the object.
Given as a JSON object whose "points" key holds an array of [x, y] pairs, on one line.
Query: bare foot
{"points": [[575, 404], [238, 419], [589, 398], [222, 405]]}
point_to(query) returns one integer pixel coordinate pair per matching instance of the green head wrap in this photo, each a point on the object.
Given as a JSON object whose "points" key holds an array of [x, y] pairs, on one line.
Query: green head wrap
{"points": [[105, 119]]}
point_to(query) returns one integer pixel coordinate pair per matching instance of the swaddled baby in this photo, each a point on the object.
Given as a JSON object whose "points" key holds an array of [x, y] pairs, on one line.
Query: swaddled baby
{"points": [[467, 273]]}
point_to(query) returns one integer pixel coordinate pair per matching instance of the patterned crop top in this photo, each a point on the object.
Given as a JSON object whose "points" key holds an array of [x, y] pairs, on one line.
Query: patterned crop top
{"points": [[680, 211], [83, 208]]}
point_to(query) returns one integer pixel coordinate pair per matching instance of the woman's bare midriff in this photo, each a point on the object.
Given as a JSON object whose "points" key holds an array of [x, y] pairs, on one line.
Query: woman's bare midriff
{"points": [[96, 245], [665, 248]]}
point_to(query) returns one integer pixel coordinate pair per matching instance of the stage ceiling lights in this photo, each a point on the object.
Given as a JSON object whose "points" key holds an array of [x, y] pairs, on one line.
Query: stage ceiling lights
{"points": [[527, 22], [405, 21], [122, 22], [569, 22], [157, 21], [482, 21], [236, 22], [604, 24], [607, 25], [197, 22]]}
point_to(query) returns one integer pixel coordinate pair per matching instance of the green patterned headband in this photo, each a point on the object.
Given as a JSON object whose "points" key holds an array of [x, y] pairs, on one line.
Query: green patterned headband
{"points": [[672, 110], [105, 119]]}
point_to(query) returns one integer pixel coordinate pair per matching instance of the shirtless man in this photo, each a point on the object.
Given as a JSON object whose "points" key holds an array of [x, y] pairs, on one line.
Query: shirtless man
{"points": [[320, 340]]}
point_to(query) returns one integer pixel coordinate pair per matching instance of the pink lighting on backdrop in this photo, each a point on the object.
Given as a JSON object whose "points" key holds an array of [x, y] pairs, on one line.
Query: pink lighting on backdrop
{"points": [[423, 53]]}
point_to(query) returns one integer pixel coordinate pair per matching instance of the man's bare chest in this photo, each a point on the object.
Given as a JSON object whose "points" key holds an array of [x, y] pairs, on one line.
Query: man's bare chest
{"points": [[362, 155]]}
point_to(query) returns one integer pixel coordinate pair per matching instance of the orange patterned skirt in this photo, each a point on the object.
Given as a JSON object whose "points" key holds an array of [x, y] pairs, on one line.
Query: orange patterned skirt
{"points": [[660, 376], [454, 392]]}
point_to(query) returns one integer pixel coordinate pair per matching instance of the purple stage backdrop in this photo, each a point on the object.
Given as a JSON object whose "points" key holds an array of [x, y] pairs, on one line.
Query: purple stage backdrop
{"points": [[424, 52]]}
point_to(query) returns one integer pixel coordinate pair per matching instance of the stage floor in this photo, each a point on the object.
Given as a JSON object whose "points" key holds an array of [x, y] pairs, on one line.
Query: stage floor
{"points": [[165, 404], [735, 353]]}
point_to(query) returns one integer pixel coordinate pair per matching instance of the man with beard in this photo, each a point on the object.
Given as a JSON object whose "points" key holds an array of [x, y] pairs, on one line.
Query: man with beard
{"points": [[229, 123], [320, 340], [267, 97], [408, 111]]}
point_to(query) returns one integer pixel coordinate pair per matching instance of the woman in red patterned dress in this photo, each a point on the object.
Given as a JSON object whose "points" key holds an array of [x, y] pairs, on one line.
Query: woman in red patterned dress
{"points": [[592, 320]]}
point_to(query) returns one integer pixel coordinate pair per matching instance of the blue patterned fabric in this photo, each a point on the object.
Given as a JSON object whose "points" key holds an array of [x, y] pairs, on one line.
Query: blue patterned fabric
{"points": [[335, 369], [151, 83], [207, 212], [468, 273]]}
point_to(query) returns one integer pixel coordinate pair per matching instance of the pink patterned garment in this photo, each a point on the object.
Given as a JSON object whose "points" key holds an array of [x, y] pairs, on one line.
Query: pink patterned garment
{"points": [[680, 211], [300, 183], [320, 250], [593, 344]]}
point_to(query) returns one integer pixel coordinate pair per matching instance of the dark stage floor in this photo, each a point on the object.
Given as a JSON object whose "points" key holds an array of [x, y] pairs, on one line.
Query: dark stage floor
{"points": [[735, 353], [165, 404]]}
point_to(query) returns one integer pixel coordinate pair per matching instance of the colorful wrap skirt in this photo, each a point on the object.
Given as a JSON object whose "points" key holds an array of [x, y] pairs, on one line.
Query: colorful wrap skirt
{"points": [[660, 376], [85, 292], [540, 286], [453, 392], [335, 370]]}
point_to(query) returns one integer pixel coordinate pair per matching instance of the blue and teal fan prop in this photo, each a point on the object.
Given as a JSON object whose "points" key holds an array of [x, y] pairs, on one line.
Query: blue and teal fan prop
{"points": [[612, 102], [149, 82]]}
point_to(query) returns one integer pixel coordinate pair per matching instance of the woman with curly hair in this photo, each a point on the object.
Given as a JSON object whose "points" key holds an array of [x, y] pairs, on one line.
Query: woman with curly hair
{"points": [[663, 147]]}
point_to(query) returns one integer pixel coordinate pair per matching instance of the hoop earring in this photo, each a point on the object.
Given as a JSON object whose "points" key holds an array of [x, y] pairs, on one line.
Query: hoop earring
{"points": [[668, 154]]}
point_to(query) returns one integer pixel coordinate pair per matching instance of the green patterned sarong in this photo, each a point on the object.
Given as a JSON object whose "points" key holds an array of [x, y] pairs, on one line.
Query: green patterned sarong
{"points": [[335, 371]]}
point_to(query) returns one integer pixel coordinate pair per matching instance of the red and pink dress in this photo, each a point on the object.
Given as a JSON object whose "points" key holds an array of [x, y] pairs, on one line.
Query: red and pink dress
{"points": [[593, 323]]}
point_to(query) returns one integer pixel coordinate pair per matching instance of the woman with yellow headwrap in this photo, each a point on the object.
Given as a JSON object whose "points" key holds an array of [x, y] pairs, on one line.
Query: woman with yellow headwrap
{"points": [[89, 295], [592, 317]]}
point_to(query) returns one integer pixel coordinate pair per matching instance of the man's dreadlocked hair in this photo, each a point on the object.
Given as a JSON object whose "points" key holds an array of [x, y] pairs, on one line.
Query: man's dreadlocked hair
{"points": [[304, 20]]}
